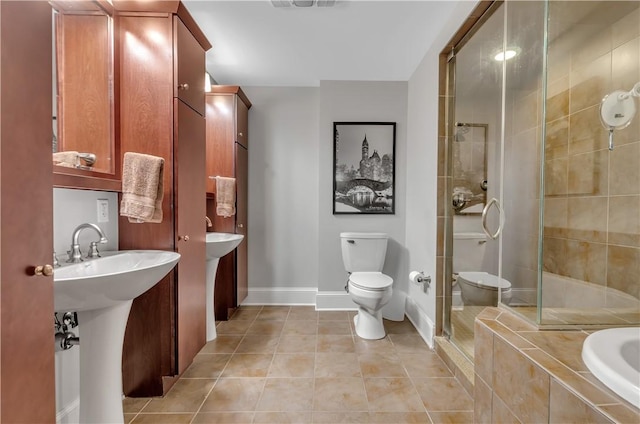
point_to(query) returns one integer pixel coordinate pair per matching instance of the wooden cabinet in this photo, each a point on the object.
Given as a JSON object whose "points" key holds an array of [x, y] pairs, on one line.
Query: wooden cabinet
{"points": [[190, 219], [227, 111], [242, 181], [161, 54], [27, 370], [190, 75]]}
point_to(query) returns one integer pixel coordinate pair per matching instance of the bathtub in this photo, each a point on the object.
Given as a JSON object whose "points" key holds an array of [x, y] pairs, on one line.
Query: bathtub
{"points": [[613, 356]]}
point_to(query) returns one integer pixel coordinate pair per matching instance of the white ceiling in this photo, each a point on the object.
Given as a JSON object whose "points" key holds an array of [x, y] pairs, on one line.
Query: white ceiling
{"points": [[255, 43]]}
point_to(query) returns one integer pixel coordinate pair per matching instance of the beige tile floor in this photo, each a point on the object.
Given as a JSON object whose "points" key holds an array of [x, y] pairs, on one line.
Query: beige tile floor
{"points": [[276, 364], [462, 320]]}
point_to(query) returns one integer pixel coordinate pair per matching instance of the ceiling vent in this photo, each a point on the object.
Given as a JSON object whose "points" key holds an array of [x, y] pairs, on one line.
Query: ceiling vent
{"points": [[303, 3]]}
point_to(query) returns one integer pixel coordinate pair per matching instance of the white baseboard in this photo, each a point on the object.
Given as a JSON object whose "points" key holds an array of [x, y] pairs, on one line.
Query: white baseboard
{"points": [[70, 413], [420, 321], [334, 301], [281, 296]]}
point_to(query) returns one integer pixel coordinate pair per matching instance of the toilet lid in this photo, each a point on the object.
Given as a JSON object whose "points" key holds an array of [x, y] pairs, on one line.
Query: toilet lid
{"points": [[484, 279], [370, 280]]}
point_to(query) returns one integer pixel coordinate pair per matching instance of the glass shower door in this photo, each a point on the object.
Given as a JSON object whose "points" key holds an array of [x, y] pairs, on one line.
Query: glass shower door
{"points": [[523, 149], [475, 155]]}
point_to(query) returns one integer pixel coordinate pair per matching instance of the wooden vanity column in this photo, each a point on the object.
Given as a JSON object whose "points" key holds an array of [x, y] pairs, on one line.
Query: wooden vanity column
{"points": [[162, 69], [228, 156], [27, 364]]}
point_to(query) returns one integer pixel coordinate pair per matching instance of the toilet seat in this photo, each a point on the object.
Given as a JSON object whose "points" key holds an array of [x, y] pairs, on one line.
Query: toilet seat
{"points": [[485, 280], [374, 281]]}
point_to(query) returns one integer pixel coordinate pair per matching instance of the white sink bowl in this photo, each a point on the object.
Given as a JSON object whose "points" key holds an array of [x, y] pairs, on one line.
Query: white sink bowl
{"points": [[218, 245], [114, 278], [102, 290], [613, 356]]}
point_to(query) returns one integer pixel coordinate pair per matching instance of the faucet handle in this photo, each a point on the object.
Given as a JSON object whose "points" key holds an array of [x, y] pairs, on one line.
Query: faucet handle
{"points": [[93, 250]]}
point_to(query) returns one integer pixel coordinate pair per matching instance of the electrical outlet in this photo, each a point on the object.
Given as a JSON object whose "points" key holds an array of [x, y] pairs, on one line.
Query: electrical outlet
{"points": [[103, 210]]}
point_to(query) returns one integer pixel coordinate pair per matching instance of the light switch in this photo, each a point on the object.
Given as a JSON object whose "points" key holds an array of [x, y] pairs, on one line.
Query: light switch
{"points": [[103, 210]]}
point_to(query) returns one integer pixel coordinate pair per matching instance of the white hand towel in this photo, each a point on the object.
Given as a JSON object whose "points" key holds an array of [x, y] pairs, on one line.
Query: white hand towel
{"points": [[225, 196], [142, 188]]}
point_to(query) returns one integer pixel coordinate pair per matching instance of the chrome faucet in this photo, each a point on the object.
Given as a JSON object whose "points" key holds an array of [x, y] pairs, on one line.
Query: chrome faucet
{"points": [[75, 255], [209, 224]]}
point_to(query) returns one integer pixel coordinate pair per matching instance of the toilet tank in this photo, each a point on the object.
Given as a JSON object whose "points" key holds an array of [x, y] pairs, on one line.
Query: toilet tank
{"points": [[468, 251], [363, 252]]}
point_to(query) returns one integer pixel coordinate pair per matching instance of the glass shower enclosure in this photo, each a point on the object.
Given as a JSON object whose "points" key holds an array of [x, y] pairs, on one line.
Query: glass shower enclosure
{"points": [[555, 212]]}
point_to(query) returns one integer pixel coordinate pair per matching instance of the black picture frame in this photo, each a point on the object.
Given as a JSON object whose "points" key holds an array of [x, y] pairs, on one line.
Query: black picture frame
{"points": [[364, 171]]}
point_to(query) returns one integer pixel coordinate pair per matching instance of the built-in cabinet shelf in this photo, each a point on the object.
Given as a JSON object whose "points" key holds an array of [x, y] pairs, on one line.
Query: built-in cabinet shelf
{"points": [[162, 67], [227, 113]]}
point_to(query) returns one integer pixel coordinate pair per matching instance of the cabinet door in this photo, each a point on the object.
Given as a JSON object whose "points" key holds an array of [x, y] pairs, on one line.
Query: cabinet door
{"points": [[220, 133], [189, 67], [189, 151], [27, 378], [242, 123], [242, 197]]}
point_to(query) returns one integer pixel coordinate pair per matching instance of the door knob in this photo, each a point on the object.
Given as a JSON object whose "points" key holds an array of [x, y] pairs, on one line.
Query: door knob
{"points": [[46, 270], [185, 238], [240, 225], [184, 86], [240, 134]]}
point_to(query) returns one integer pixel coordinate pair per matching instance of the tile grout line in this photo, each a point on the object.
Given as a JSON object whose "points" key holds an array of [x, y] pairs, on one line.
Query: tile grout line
{"points": [[270, 365], [138, 413], [222, 371], [315, 358]]}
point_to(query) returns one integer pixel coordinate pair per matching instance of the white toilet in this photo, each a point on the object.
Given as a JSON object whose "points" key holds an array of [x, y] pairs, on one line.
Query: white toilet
{"points": [[481, 288], [363, 255], [476, 287]]}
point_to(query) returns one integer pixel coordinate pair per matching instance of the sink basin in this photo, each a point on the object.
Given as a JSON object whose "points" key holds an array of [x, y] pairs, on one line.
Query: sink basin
{"points": [[101, 291], [613, 356], [112, 279], [218, 245]]}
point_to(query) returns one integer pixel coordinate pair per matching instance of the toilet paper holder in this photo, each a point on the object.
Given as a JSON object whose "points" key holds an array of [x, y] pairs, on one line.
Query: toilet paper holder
{"points": [[418, 277]]}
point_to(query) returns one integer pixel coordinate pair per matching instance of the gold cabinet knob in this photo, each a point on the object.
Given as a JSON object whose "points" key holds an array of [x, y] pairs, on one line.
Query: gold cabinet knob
{"points": [[185, 238], [240, 134], [46, 270], [184, 86]]}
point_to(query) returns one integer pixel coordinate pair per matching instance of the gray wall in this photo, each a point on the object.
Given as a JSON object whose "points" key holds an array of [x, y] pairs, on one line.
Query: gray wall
{"points": [[372, 102], [283, 187], [422, 162], [294, 236], [74, 207], [70, 209]]}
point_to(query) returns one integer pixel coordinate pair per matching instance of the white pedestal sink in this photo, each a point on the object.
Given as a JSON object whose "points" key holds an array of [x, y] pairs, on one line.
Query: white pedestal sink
{"points": [[218, 245], [101, 291]]}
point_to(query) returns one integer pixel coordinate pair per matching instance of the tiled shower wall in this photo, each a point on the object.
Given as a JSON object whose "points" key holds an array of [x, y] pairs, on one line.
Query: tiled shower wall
{"points": [[592, 195]]}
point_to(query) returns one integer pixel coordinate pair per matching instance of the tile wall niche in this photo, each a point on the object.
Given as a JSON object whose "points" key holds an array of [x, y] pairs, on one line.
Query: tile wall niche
{"points": [[592, 195]]}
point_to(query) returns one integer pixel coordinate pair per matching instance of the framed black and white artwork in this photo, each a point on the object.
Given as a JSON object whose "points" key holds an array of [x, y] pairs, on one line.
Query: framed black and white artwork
{"points": [[364, 167]]}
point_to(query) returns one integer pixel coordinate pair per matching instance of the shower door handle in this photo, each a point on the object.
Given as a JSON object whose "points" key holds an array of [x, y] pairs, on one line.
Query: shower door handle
{"points": [[485, 210]]}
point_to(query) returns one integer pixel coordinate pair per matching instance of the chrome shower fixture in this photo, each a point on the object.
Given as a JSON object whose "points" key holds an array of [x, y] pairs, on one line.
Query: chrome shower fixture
{"points": [[617, 110]]}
